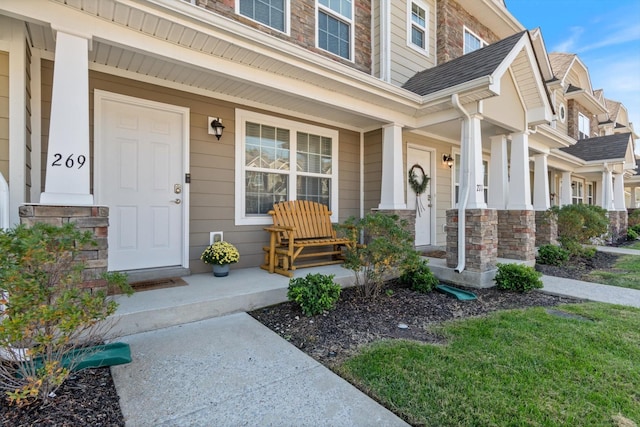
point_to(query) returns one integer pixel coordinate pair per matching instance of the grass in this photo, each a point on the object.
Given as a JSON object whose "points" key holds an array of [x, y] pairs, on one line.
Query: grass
{"points": [[626, 274], [635, 245], [516, 367]]}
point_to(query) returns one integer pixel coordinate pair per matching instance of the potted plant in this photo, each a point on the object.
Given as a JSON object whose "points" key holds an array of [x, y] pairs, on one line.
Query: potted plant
{"points": [[220, 255]]}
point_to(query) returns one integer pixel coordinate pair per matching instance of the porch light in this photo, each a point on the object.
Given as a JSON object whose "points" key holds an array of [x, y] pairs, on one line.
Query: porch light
{"points": [[215, 127], [447, 159]]}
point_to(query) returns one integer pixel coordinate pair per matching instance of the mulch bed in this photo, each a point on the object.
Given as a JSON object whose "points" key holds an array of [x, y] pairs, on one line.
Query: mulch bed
{"points": [[89, 397]]}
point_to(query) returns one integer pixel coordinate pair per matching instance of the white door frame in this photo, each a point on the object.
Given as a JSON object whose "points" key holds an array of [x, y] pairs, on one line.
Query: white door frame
{"points": [[432, 186], [98, 97]]}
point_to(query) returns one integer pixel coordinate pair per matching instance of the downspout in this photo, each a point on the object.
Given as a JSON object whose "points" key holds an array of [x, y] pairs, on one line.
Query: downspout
{"points": [[4, 203], [463, 191], [361, 175]]}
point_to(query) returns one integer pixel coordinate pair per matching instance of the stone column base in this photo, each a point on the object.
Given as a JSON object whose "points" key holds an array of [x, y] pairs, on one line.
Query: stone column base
{"points": [[517, 234], [408, 215], [86, 218], [481, 239], [546, 228], [614, 226]]}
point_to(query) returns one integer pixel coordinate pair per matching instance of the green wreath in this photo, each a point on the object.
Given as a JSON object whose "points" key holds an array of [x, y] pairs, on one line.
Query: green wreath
{"points": [[418, 186]]}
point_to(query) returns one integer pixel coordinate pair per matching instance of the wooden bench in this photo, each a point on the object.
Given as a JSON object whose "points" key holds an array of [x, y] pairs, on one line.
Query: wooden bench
{"points": [[299, 225]]}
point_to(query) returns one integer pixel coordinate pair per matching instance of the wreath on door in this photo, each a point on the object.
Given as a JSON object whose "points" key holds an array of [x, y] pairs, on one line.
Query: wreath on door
{"points": [[418, 181]]}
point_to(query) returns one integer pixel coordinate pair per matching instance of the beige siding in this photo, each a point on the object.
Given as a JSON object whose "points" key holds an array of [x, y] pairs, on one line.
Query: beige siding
{"points": [[507, 108], [4, 114], [406, 61], [372, 169], [212, 188], [560, 99]]}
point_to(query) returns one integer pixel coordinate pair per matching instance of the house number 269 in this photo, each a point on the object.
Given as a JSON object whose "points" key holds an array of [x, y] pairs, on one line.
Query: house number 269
{"points": [[70, 161]]}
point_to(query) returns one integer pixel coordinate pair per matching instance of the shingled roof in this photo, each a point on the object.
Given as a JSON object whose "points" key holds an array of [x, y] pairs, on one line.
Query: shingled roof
{"points": [[480, 63], [560, 63], [601, 148]]}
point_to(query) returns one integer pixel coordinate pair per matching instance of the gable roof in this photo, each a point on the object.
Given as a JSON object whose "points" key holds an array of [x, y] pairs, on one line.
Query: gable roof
{"points": [[607, 147], [560, 63], [480, 63]]}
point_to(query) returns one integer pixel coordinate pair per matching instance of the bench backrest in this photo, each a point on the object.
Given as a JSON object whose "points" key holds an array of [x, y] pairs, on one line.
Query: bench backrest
{"points": [[310, 219]]}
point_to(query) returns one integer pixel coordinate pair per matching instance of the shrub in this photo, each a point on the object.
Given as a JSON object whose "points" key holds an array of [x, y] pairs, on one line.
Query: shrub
{"points": [[387, 246], [636, 228], [631, 234], [578, 224], [634, 219], [518, 277], [44, 312], [552, 255], [419, 277], [314, 293]]}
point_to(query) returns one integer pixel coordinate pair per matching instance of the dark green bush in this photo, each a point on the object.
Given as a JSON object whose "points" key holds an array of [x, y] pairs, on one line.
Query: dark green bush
{"points": [[636, 228], [518, 277], [314, 293], [552, 255], [634, 220], [419, 277], [631, 234]]}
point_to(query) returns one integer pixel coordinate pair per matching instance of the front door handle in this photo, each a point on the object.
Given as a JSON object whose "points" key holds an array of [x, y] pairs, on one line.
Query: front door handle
{"points": [[177, 201]]}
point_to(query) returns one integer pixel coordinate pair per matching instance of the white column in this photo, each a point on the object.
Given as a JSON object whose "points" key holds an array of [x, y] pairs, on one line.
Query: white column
{"points": [[67, 180], [565, 189], [541, 183], [476, 171], [519, 180], [498, 178], [392, 189], [618, 193], [632, 201], [607, 189]]}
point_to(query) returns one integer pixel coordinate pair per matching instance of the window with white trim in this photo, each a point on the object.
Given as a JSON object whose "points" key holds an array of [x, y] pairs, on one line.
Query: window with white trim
{"points": [[472, 42], [584, 126], [335, 27], [456, 174], [577, 192], [590, 193], [417, 26], [272, 13], [279, 159]]}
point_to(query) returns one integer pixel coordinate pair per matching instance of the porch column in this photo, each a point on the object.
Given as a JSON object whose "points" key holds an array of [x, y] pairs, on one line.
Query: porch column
{"points": [[520, 181], [632, 202], [541, 183], [67, 179], [392, 188], [499, 176], [607, 189], [618, 193], [565, 189], [475, 170]]}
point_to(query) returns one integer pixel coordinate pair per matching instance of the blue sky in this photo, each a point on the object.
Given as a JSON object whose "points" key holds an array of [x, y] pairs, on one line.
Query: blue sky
{"points": [[604, 34]]}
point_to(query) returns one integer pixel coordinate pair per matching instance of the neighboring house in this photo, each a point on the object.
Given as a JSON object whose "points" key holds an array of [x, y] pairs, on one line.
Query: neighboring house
{"points": [[110, 104]]}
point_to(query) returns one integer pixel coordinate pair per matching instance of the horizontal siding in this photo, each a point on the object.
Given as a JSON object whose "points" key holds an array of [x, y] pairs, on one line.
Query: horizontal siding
{"points": [[4, 114], [372, 169], [212, 165]]}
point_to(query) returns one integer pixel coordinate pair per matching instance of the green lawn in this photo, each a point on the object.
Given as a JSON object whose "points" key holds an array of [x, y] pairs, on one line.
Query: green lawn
{"points": [[634, 246], [517, 367], [626, 276]]}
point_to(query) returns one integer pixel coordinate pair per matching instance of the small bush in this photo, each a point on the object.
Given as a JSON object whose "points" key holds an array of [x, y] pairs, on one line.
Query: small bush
{"points": [[419, 277], [552, 255], [314, 293], [578, 224], [636, 228], [518, 277], [631, 234], [634, 220]]}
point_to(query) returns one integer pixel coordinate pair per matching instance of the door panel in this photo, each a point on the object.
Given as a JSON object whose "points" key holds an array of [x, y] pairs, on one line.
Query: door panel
{"points": [[423, 214], [141, 159]]}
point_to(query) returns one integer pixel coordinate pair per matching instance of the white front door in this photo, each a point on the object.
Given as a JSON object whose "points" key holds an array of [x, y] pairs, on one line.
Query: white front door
{"points": [[139, 176], [422, 204]]}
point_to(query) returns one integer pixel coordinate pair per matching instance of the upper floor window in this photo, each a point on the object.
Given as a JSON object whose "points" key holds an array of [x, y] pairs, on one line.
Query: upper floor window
{"points": [[279, 160], [417, 25], [335, 22], [584, 125], [472, 42], [271, 13]]}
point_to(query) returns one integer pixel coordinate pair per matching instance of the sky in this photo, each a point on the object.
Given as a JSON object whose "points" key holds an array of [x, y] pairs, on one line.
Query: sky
{"points": [[605, 34]]}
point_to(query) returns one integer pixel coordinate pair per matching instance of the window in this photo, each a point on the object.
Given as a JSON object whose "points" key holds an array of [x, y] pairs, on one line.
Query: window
{"points": [[472, 42], [577, 192], [485, 173], [335, 19], [583, 126], [590, 194], [417, 19], [562, 112], [271, 13], [278, 160]]}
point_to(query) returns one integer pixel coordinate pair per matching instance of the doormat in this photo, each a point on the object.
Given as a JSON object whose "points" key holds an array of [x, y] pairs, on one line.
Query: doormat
{"points": [[151, 285]]}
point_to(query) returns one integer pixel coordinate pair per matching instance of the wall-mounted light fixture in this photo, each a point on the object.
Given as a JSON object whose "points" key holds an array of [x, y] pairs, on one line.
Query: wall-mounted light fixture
{"points": [[447, 160], [215, 127]]}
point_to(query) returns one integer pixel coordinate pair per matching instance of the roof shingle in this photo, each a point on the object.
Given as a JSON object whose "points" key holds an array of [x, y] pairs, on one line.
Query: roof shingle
{"points": [[601, 148]]}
